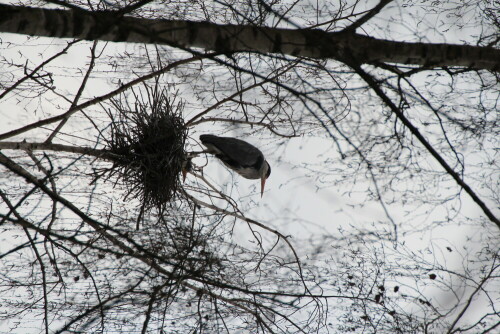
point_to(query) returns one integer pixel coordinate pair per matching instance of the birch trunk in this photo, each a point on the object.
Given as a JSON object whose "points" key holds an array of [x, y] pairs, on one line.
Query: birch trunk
{"points": [[343, 46]]}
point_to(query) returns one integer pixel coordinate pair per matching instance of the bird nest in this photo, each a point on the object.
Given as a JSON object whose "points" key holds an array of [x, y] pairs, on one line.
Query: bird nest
{"points": [[148, 137]]}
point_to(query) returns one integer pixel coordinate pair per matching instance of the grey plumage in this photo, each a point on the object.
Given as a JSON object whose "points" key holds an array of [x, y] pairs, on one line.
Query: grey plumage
{"points": [[238, 155]]}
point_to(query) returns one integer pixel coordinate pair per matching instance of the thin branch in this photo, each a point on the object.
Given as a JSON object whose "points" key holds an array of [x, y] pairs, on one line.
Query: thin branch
{"points": [[239, 92], [44, 281], [254, 222], [97, 100], [50, 234], [25, 146], [469, 300], [104, 305], [97, 226], [152, 300], [487, 330], [130, 8], [443, 130], [66, 5], [32, 73], [78, 94], [365, 18], [400, 115], [269, 126]]}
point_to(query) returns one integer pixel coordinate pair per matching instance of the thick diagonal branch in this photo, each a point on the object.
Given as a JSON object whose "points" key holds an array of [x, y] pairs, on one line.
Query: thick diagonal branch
{"points": [[415, 132]]}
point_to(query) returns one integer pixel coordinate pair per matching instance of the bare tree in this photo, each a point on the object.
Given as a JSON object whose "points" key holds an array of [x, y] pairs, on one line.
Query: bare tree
{"points": [[100, 234]]}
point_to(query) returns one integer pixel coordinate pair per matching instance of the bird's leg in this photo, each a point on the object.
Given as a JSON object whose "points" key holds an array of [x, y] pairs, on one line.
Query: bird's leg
{"points": [[187, 166], [195, 154]]}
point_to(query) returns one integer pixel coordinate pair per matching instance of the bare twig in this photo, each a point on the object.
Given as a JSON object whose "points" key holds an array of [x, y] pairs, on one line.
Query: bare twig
{"points": [[374, 11], [44, 282], [485, 279], [32, 73], [78, 94], [25, 146], [239, 92], [97, 100], [400, 115]]}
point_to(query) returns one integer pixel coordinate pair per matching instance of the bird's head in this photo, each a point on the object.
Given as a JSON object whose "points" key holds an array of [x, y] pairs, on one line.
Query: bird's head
{"points": [[266, 171]]}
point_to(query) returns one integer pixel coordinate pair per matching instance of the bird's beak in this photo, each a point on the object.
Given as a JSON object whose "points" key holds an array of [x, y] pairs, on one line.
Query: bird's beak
{"points": [[184, 173], [262, 184]]}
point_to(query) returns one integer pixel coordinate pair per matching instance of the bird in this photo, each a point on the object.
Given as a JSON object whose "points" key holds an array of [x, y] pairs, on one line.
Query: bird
{"points": [[240, 156]]}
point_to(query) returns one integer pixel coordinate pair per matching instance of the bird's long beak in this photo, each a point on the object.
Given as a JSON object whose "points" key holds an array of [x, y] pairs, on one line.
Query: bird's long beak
{"points": [[262, 184]]}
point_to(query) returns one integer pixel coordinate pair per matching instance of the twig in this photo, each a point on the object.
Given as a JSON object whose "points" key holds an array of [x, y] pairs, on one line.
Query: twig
{"points": [[30, 75], [97, 100], [400, 115], [103, 154], [362, 20], [78, 94]]}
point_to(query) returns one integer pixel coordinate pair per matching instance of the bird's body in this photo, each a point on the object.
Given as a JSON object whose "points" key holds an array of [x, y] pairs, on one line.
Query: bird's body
{"points": [[240, 156]]}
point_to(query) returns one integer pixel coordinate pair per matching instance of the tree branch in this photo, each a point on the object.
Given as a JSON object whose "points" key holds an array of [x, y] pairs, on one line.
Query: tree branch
{"points": [[400, 115], [470, 299], [103, 154], [99, 99], [374, 11], [32, 73], [78, 94], [139, 252]]}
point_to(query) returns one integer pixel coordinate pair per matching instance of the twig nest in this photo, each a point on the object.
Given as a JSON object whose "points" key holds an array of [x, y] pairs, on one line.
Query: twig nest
{"points": [[149, 138]]}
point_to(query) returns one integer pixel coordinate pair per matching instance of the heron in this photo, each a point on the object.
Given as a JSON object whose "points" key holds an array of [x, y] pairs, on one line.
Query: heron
{"points": [[240, 156]]}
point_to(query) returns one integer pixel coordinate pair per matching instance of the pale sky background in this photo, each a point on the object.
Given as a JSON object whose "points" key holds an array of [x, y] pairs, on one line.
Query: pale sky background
{"points": [[294, 201]]}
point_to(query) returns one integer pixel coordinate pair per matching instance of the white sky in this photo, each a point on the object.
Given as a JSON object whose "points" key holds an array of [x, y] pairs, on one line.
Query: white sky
{"points": [[294, 202]]}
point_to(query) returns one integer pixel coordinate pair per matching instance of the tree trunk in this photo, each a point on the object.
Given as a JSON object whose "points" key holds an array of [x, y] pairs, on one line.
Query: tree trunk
{"points": [[343, 46]]}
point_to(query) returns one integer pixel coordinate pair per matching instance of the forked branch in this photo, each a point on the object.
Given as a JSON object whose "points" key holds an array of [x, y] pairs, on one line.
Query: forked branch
{"points": [[415, 132]]}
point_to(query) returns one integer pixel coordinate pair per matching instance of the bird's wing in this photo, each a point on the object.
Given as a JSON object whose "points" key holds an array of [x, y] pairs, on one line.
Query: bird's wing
{"points": [[234, 152]]}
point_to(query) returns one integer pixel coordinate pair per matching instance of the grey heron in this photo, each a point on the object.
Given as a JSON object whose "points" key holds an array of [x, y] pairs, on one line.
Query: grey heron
{"points": [[240, 156]]}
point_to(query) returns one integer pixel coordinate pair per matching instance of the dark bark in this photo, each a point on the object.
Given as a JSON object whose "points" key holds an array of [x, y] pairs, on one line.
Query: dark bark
{"points": [[343, 46]]}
